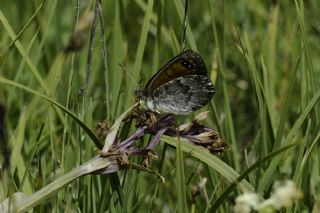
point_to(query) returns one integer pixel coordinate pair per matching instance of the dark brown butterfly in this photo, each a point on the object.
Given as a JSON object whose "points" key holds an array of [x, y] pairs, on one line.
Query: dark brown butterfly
{"points": [[179, 87]]}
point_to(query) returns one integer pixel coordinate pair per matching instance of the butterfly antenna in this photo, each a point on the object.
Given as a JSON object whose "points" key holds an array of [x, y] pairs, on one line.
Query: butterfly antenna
{"points": [[185, 24], [129, 74]]}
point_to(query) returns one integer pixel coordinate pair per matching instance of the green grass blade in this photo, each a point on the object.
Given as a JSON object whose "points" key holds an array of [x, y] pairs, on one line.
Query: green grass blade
{"points": [[27, 202], [180, 179], [229, 134], [141, 45], [229, 189], [22, 51], [266, 180], [93, 137], [212, 161]]}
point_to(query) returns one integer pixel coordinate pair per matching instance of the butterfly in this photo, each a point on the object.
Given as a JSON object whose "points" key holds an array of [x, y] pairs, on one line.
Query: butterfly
{"points": [[180, 87]]}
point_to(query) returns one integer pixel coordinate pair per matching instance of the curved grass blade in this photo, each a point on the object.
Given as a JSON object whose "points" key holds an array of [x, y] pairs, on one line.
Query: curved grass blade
{"points": [[23, 202], [212, 161], [230, 188], [92, 136], [265, 180]]}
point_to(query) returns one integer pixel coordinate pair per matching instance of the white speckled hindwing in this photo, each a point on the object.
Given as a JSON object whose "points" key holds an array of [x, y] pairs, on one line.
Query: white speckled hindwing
{"points": [[182, 95]]}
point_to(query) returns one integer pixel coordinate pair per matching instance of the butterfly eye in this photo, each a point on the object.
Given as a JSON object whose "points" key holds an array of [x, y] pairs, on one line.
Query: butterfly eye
{"points": [[187, 64]]}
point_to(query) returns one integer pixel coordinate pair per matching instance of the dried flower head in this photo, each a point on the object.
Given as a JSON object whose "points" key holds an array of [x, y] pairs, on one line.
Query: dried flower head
{"points": [[151, 123]]}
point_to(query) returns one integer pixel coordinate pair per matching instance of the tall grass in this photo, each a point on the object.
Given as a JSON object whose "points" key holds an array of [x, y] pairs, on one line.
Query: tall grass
{"points": [[263, 56]]}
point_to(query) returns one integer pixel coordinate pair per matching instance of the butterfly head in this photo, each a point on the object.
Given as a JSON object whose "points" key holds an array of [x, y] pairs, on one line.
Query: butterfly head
{"points": [[140, 94], [144, 100]]}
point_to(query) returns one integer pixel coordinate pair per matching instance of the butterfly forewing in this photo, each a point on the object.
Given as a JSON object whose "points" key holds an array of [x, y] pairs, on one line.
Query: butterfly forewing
{"points": [[187, 63]]}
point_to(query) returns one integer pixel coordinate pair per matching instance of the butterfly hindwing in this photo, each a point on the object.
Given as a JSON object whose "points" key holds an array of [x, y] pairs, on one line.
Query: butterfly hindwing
{"points": [[183, 95]]}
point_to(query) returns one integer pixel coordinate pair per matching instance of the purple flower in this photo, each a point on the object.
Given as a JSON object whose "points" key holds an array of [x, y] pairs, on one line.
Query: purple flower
{"points": [[148, 122]]}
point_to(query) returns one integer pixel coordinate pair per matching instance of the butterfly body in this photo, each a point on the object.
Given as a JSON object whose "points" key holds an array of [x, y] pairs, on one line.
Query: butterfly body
{"points": [[180, 87]]}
